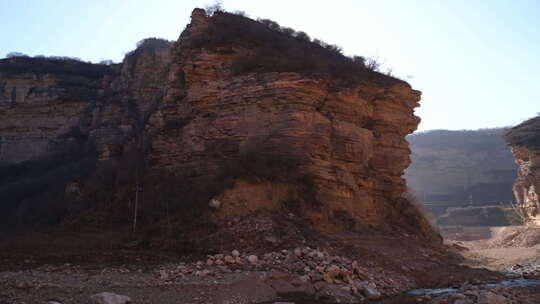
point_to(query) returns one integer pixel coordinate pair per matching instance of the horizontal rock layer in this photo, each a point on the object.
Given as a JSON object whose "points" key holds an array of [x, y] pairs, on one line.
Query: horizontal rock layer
{"points": [[524, 140], [46, 102], [285, 141]]}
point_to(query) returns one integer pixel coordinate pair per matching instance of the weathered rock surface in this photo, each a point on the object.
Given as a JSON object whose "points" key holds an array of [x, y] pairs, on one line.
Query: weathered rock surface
{"points": [[525, 142], [341, 152], [283, 141], [39, 108], [47, 102]]}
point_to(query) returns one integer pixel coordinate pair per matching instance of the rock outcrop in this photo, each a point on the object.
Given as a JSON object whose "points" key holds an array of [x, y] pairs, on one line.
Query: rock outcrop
{"points": [[453, 168], [63, 119], [41, 102], [524, 140], [339, 152], [46, 102], [237, 126]]}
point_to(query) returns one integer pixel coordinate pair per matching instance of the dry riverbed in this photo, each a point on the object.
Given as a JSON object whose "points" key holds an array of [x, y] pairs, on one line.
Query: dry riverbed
{"points": [[375, 269], [353, 269]]}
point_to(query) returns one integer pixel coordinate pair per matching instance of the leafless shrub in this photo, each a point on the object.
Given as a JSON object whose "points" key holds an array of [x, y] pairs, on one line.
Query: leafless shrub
{"points": [[415, 210], [214, 8], [281, 49], [373, 64], [519, 211]]}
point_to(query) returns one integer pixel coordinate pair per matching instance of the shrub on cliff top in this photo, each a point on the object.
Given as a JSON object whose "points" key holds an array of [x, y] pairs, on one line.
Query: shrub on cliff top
{"points": [[282, 49], [57, 65], [526, 134]]}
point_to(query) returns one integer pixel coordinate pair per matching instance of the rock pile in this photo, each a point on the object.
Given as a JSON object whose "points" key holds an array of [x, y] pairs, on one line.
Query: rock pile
{"points": [[526, 270], [317, 270]]}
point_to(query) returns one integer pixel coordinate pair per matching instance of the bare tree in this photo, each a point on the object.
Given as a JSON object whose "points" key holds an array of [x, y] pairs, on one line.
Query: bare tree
{"points": [[373, 64], [136, 208], [214, 8]]}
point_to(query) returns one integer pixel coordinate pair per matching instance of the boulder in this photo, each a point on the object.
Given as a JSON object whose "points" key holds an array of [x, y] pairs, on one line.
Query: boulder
{"points": [[109, 298]]}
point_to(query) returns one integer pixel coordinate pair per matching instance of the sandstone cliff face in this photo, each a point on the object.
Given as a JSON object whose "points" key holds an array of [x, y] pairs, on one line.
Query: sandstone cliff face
{"points": [[62, 122], [122, 111], [347, 146], [285, 142], [38, 107], [525, 142]]}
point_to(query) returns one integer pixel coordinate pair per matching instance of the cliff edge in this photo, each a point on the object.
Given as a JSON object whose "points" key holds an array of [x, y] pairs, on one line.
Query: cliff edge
{"points": [[524, 140]]}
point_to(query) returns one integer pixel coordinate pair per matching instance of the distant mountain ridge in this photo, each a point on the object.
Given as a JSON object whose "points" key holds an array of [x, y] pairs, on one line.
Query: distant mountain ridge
{"points": [[461, 167]]}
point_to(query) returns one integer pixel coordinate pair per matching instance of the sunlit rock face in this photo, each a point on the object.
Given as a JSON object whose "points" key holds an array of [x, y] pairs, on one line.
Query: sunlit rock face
{"points": [[343, 150], [525, 142], [46, 103]]}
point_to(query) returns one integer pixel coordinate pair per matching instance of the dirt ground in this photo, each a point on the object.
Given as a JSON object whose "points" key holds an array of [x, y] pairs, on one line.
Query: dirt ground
{"points": [[71, 267], [300, 267], [498, 248], [508, 250]]}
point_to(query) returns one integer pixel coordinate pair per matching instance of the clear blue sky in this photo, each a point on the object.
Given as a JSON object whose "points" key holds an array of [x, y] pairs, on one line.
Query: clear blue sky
{"points": [[476, 62]]}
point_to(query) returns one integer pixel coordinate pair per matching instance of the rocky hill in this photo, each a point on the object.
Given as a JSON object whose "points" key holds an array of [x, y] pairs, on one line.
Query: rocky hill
{"points": [[525, 142], [238, 118], [243, 162], [62, 120], [458, 168]]}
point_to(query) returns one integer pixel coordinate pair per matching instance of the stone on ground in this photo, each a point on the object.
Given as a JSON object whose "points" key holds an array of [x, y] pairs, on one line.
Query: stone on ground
{"points": [[109, 298]]}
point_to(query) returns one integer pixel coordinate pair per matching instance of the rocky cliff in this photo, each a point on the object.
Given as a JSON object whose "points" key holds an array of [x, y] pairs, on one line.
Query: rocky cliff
{"points": [[45, 102], [524, 140], [336, 153], [42, 100], [63, 119], [236, 118], [457, 168]]}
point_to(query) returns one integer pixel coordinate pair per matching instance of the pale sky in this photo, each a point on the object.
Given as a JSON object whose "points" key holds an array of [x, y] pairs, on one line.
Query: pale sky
{"points": [[476, 62]]}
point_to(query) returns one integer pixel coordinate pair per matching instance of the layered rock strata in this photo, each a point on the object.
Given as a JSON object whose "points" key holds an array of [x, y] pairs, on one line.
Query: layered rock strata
{"points": [[38, 107], [453, 168], [524, 140], [310, 145], [45, 103], [346, 145]]}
